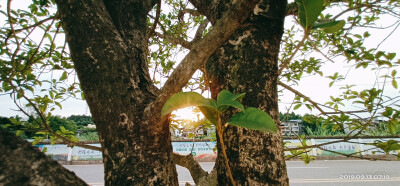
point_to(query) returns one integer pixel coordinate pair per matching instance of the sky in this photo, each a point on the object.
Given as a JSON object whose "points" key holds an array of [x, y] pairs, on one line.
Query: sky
{"points": [[315, 87]]}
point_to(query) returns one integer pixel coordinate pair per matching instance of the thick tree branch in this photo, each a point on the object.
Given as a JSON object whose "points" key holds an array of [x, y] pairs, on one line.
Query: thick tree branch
{"points": [[153, 28], [21, 164], [192, 165], [187, 11], [292, 9], [200, 177], [200, 30], [202, 50]]}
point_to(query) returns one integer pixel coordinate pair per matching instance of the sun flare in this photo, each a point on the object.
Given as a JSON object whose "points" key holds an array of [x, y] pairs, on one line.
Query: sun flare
{"points": [[188, 113]]}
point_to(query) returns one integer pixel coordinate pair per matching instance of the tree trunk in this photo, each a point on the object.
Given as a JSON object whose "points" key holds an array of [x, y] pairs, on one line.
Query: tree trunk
{"points": [[248, 63], [107, 40], [21, 164]]}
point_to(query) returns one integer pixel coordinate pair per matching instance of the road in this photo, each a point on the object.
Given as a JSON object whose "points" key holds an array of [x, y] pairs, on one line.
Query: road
{"points": [[329, 172]]}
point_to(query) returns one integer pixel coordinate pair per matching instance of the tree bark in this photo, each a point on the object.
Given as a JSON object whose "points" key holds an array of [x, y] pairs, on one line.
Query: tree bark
{"points": [[108, 43], [107, 40], [248, 63], [21, 164]]}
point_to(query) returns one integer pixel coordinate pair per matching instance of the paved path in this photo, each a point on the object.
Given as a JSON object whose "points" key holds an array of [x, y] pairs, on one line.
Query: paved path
{"points": [[330, 172]]}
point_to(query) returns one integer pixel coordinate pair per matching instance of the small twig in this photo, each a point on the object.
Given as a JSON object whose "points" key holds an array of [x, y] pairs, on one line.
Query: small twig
{"points": [[354, 156], [319, 51], [285, 63], [298, 154], [45, 125], [303, 96], [30, 60], [175, 40], [36, 24], [153, 28], [315, 146], [12, 31], [370, 119]]}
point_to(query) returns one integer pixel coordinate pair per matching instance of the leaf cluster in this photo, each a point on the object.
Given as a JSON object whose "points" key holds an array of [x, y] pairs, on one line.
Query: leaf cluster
{"points": [[251, 118]]}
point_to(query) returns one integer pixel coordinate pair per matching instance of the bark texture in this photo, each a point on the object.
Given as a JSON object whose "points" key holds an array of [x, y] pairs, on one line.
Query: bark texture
{"points": [[108, 43], [21, 164], [107, 40], [247, 62]]}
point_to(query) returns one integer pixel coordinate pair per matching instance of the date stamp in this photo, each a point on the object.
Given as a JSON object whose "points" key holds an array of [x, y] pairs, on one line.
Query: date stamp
{"points": [[364, 176]]}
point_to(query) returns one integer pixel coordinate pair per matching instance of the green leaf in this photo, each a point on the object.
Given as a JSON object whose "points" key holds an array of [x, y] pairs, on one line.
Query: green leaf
{"points": [[391, 126], [254, 118], [58, 104], [185, 99], [64, 76], [209, 113], [390, 56], [226, 99], [19, 132], [297, 106], [394, 72], [309, 11], [335, 28], [394, 83], [6, 86], [325, 24]]}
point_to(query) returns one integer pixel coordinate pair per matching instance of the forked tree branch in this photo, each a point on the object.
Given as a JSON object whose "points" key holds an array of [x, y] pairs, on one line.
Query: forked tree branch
{"points": [[202, 50], [285, 64]]}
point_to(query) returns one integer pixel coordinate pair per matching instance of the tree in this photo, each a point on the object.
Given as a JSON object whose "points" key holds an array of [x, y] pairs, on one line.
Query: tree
{"points": [[248, 63], [81, 120], [56, 122], [109, 42], [4, 120]]}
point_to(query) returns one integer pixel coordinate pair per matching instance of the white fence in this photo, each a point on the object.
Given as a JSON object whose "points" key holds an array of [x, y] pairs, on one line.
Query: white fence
{"points": [[204, 149]]}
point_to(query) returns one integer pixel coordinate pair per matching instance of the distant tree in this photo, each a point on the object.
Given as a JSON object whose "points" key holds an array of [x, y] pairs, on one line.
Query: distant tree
{"points": [[4, 120], [57, 121], [17, 126], [88, 134], [310, 122], [289, 116], [81, 120]]}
